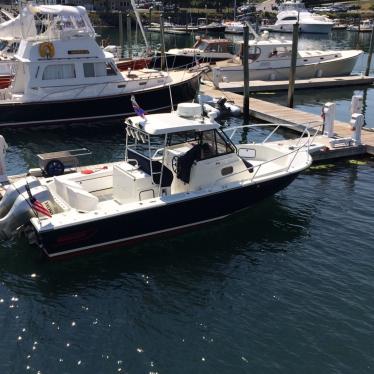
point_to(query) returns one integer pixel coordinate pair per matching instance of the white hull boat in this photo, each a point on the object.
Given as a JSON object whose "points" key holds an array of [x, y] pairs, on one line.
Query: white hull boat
{"points": [[270, 59], [179, 171], [293, 11]]}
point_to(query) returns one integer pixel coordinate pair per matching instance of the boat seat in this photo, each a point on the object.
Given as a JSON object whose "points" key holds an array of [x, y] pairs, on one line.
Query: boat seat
{"points": [[62, 184], [80, 199]]}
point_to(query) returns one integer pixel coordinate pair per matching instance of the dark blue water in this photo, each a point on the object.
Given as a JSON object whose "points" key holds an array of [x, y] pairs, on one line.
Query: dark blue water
{"points": [[284, 287]]}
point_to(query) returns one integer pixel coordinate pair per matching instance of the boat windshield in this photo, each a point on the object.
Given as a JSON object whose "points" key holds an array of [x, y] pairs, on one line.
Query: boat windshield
{"points": [[212, 143], [202, 46]]}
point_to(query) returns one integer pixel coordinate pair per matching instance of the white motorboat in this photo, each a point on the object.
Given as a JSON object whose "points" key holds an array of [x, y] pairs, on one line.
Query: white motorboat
{"points": [[291, 11], [179, 170], [364, 26], [270, 58], [234, 27], [204, 50], [203, 25], [63, 76]]}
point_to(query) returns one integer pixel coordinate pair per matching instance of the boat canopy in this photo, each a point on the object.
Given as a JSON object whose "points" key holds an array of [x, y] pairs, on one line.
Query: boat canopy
{"points": [[166, 123], [47, 22]]}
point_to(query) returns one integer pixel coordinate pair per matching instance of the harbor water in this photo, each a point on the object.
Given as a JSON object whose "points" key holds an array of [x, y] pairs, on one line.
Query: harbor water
{"points": [[284, 287]]}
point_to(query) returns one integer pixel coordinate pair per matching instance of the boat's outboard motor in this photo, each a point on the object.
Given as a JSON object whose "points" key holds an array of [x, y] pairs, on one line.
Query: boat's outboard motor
{"points": [[22, 211], [13, 191], [3, 149]]}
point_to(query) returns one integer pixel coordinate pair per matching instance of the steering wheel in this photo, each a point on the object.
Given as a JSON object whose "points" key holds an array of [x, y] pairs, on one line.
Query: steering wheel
{"points": [[174, 164]]}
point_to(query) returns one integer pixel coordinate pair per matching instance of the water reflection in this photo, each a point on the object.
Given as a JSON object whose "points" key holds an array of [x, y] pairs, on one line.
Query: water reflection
{"points": [[205, 249]]}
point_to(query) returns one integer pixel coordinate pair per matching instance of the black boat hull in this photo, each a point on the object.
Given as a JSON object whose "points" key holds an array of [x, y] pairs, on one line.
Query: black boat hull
{"points": [[139, 225], [95, 108]]}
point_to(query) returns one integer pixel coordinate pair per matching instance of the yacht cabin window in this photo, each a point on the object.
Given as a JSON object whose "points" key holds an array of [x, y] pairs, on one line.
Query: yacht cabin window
{"points": [[254, 53], [98, 69], [291, 18], [59, 71]]}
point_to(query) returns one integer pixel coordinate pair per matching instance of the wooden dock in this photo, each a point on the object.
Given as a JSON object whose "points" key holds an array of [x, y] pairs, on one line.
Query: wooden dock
{"points": [[275, 113], [263, 86]]}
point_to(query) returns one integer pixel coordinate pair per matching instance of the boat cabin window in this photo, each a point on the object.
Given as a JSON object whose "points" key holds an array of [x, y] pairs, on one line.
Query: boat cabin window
{"points": [[282, 52], [98, 69], [202, 46], [59, 71], [217, 47], [213, 144], [254, 53], [289, 18]]}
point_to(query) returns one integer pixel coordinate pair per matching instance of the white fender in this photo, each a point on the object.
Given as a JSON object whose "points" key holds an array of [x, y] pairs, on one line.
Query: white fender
{"points": [[3, 149], [212, 112], [13, 191]]}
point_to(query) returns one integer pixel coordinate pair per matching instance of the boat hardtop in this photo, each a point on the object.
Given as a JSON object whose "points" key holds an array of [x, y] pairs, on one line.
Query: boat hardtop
{"points": [[168, 123]]}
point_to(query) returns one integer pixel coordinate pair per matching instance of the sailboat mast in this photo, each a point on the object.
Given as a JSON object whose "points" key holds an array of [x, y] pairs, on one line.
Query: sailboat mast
{"points": [[140, 23]]}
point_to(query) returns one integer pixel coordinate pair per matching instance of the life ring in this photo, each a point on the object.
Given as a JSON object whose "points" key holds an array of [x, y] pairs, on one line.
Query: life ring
{"points": [[46, 49]]}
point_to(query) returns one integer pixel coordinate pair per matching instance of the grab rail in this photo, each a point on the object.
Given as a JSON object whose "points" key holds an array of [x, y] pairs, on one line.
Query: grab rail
{"points": [[293, 151]]}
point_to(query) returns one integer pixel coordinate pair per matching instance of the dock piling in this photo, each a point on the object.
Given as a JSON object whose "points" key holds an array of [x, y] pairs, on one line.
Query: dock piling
{"points": [[328, 115], [291, 86], [120, 29], [129, 42], [370, 53], [246, 72], [162, 40]]}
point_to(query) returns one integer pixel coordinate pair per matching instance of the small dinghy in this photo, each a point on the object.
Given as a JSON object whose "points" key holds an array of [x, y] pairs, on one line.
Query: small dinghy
{"points": [[179, 170]]}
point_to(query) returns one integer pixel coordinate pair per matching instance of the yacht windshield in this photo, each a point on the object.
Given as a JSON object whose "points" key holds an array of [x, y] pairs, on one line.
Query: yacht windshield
{"points": [[202, 46]]}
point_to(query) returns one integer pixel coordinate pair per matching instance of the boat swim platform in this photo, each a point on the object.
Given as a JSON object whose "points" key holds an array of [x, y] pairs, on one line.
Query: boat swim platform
{"points": [[263, 86], [298, 120]]}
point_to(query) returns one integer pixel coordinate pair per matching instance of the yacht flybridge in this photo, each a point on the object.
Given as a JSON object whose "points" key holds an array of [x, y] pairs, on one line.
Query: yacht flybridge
{"points": [[63, 76], [179, 170], [270, 59]]}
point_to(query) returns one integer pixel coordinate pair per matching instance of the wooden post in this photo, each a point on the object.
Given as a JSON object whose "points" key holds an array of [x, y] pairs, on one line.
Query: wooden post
{"points": [[129, 44], [150, 24], [120, 26], [206, 20], [370, 53], [246, 72], [162, 40], [291, 85]]}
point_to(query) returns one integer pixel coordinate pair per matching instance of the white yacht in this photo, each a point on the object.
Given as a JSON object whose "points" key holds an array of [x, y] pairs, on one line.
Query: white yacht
{"points": [[291, 11], [180, 170], [234, 27], [364, 26], [63, 76], [204, 50], [270, 58]]}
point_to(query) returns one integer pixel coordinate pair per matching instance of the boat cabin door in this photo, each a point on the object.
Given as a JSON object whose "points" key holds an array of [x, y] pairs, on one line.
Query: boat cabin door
{"points": [[18, 84]]}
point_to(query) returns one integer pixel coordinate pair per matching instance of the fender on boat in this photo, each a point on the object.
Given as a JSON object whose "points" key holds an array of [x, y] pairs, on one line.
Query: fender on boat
{"points": [[21, 211], [13, 191], [214, 113]]}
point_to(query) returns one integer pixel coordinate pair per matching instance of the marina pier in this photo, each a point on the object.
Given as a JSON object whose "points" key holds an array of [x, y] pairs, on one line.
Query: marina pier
{"points": [[297, 119]]}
